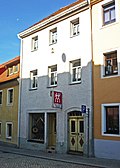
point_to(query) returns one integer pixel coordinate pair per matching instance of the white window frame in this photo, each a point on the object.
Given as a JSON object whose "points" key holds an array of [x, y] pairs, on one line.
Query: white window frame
{"points": [[107, 8], [0, 129], [1, 98], [7, 131], [53, 36], [100, 13], [75, 27], [77, 71], [35, 43], [54, 74], [8, 96], [103, 119], [34, 79]]}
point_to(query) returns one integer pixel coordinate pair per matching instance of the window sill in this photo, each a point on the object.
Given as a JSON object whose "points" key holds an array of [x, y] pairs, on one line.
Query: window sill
{"points": [[74, 83], [52, 43], [112, 135], [34, 50], [35, 141], [108, 25], [51, 86], [110, 76], [74, 35], [32, 89], [9, 138]]}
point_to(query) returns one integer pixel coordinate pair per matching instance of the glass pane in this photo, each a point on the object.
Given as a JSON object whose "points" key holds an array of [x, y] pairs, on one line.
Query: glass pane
{"points": [[112, 120], [11, 96], [106, 16], [37, 127], [52, 79], [79, 73], [74, 74], [72, 126], [81, 126], [112, 14]]}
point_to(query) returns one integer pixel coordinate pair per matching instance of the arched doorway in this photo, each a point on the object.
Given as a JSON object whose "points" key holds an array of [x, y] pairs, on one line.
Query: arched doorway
{"points": [[76, 132]]}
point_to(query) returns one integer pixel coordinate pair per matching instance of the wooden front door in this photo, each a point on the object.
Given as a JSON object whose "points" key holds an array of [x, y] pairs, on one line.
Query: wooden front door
{"points": [[76, 132], [51, 129]]}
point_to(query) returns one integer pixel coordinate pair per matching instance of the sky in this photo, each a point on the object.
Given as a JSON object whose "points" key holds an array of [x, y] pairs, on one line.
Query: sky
{"points": [[18, 15]]}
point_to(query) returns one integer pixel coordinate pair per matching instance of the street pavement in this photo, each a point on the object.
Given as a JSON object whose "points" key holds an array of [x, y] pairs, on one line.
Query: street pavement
{"points": [[9, 160], [11, 157]]}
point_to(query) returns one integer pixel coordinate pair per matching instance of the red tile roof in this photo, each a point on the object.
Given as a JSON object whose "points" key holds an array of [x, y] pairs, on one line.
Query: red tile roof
{"points": [[4, 70]]}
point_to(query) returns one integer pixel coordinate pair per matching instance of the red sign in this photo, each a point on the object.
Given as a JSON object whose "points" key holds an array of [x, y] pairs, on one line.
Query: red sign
{"points": [[57, 99]]}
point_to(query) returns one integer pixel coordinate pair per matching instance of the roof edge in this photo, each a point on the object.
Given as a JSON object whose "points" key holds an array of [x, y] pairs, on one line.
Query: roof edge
{"points": [[55, 16]]}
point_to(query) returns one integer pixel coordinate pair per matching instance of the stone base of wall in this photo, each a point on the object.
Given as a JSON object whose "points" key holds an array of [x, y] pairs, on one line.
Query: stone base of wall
{"points": [[107, 149]]}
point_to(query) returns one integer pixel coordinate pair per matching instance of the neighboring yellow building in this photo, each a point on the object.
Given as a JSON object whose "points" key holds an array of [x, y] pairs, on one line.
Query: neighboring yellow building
{"points": [[106, 75], [9, 95]]}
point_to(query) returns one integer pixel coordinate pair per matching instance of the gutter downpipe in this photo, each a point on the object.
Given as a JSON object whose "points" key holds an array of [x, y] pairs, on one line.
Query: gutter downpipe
{"points": [[92, 82], [20, 91]]}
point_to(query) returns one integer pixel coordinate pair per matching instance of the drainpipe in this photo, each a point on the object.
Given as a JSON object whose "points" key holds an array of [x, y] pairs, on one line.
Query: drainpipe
{"points": [[92, 81], [20, 91]]}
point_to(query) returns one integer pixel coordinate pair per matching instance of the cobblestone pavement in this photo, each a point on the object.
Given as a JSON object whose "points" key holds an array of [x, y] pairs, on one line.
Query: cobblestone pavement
{"points": [[9, 160]]}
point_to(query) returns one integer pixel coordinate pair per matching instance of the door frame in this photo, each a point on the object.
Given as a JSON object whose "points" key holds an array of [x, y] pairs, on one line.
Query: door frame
{"points": [[75, 115]]}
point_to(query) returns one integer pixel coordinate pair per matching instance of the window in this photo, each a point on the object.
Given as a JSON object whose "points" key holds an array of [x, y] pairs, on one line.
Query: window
{"points": [[11, 70], [52, 75], [75, 27], [37, 127], [53, 36], [15, 68], [111, 65], [110, 121], [109, 13], [75, 68], [9, 130], [0, 129], [33, 79], [1, 95], [9, 96], [34, 43]]}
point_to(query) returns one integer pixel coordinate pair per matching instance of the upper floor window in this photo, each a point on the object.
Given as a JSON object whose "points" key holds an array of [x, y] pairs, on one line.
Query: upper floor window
{"points": [[52, 75], [109, 13], [110, 122], [75, 27], [1, 95], [75, 70], [111, 65], [35, 43], [33, 79], [13, 69], [53, 36], [10, 96]]}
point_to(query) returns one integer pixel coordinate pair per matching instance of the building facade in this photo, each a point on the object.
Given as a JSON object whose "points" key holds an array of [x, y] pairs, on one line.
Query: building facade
{"points": [[56, 80], [106, 59], [9, 95]]}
